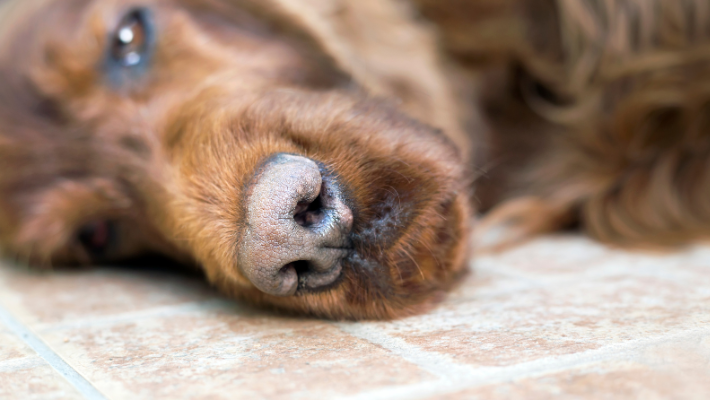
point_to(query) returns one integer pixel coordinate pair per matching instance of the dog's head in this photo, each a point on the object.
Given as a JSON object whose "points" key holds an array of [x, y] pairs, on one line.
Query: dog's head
{"points": [[282, 145]]}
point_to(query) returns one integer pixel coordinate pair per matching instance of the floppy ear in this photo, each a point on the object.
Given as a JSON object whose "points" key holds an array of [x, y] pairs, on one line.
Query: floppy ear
{"points": [[383, 49]]}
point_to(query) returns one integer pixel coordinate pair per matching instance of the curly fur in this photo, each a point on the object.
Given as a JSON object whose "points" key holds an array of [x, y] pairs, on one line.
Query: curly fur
{"points": [[635, 83], [598, 114]]}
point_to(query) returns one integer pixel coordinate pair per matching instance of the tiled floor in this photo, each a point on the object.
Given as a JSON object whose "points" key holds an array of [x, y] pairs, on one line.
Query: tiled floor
{"points": [[560, 317]]}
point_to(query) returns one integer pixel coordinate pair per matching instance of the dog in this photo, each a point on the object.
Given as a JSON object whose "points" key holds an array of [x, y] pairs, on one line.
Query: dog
{"points": [[326, 157]]}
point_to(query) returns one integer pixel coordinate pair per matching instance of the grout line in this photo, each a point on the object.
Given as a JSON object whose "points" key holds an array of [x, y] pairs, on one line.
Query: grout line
{"points": [[434, 363], [53, 359], [455, 377]]}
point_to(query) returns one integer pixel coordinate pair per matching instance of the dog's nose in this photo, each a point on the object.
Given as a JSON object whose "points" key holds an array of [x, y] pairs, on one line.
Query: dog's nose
{"points": [[297, 227]]}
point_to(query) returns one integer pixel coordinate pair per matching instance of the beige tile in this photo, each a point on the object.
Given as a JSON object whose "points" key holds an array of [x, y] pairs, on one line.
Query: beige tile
{"points": [[546, 310], [154, 335], [11, 347], [554, 255], [572, 258], [633, 382], [32, 378], [668, 371], [540, 323], [224, 355], [61, 296], [26, 375], [676, 367], [488, 281]]}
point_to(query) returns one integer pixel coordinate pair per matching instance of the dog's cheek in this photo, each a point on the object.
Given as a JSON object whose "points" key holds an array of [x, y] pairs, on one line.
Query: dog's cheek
{"points": [[203, 211], [428, 260]]}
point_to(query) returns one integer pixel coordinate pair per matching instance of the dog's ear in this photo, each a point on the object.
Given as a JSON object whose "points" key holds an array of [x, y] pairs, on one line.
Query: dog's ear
{"points": [[383, 48]]}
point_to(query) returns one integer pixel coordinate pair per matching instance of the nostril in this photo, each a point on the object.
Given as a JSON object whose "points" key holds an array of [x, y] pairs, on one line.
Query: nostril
{"points": [[302, 267], [308, 214]]}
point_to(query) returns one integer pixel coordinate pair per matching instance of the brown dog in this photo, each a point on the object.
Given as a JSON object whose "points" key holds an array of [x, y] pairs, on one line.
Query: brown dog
{"points": [[316, 155]]}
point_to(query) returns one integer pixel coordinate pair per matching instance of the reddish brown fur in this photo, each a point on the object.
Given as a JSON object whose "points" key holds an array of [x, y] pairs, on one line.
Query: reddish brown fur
{"points": [[593, 113], [170, 153], [597, 112]]}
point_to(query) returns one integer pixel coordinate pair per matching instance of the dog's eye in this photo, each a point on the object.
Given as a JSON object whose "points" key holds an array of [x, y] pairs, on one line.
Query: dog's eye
{"points": [[131, 41], [98, 238]]}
